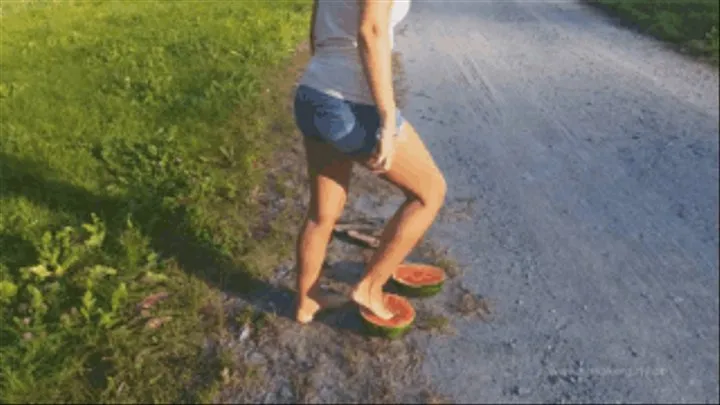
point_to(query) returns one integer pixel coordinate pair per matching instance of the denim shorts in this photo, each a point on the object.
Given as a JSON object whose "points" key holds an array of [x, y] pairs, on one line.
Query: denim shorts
{"points": [[350, 127]]}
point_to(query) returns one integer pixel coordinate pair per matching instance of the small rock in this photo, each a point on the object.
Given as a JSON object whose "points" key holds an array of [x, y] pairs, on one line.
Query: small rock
{"points": [[517, 390], [157, 322], [244, 334], [256, 359], [151, 300], [225, 374], [285, 392]]}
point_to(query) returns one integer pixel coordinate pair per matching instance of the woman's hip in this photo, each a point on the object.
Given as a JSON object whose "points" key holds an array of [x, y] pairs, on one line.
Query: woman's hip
{"points": [[348, 126]]}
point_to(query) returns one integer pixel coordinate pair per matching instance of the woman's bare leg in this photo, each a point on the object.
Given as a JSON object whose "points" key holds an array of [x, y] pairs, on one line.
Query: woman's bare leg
{"points": [[413, 171], [329, 173]]}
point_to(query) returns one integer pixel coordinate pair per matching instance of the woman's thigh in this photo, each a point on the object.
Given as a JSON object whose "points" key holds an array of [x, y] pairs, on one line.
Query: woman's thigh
{"points": [[413, 169], [329, 172]]}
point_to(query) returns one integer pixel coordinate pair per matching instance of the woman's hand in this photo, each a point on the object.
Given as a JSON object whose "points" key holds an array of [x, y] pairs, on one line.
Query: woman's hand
{"points": [[381, 161]]}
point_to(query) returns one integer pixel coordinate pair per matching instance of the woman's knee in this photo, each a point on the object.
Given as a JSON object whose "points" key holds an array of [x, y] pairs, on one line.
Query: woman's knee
{"points": [[323, 220], [439, 190], [326, 215], [433, 193]]}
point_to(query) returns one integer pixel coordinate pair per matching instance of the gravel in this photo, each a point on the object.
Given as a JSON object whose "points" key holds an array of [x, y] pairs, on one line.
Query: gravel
{"points": [[590, 157]]}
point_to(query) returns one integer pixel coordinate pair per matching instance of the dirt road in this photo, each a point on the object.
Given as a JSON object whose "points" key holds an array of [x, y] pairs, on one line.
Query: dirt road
{"points": [[588, 157]]}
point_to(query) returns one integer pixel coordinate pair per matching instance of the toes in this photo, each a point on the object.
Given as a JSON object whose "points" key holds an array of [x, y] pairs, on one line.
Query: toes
{"points": [[304, 319]]}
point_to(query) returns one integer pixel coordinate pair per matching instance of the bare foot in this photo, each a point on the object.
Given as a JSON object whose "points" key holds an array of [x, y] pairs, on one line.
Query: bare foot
{"points": [[314, 303], [361, 295], [306, 310]]}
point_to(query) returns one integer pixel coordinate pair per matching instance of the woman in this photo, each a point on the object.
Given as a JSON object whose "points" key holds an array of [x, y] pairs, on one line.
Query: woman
{"points": [[345, 109]]}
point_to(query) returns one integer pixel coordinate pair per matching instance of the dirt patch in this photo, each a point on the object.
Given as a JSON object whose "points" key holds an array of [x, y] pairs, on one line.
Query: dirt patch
{"points": [[318, 363], [275, 360], [332, 359]]}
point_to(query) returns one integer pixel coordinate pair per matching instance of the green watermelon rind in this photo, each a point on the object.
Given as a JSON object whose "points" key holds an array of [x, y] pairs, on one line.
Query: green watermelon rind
{"points": [[421, 291], [391, 333], [427, 290]]}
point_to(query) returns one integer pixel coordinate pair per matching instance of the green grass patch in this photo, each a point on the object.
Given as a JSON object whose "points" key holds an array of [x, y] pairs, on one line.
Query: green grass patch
{"points": [[690, 24], [133, 139]]}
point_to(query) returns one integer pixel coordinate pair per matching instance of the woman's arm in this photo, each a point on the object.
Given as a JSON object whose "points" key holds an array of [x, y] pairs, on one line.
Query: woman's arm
{"points": [[312, 27], [375, 52]]}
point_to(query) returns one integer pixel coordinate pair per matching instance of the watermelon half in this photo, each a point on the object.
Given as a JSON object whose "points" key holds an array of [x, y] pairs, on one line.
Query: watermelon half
{"points": [[418, 280], [392, 328]]}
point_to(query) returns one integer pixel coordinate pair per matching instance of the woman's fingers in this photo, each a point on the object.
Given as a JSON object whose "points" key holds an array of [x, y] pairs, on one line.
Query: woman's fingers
{"points": [[382, 164], [382, 158]]}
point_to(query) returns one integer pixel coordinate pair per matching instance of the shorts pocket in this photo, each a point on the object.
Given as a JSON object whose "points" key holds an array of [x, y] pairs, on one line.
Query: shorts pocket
{"points": [[328, 118]]}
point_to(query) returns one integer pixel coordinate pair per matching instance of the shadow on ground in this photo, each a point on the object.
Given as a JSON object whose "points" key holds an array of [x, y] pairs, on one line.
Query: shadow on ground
{"points": [[33, 181]]}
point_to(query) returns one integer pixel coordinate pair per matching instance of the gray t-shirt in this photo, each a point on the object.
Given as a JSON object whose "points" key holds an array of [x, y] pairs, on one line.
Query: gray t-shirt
{"points": [[336, 68]]}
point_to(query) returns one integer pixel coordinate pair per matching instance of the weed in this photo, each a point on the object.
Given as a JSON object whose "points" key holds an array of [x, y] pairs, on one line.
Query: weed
{"points": [[435, 322], [438, 256]]}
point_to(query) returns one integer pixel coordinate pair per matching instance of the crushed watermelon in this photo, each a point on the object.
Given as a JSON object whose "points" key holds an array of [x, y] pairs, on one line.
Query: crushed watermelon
{"points": [[404, 315]]}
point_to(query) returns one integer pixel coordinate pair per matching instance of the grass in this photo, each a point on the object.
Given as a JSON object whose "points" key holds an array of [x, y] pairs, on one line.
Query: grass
{"points": [[434, 322], [135, 139], [691, 25]]}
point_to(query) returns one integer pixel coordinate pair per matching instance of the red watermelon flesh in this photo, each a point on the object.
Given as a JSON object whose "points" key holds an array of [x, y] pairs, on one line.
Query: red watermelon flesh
{"points": [[419, 275]]}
